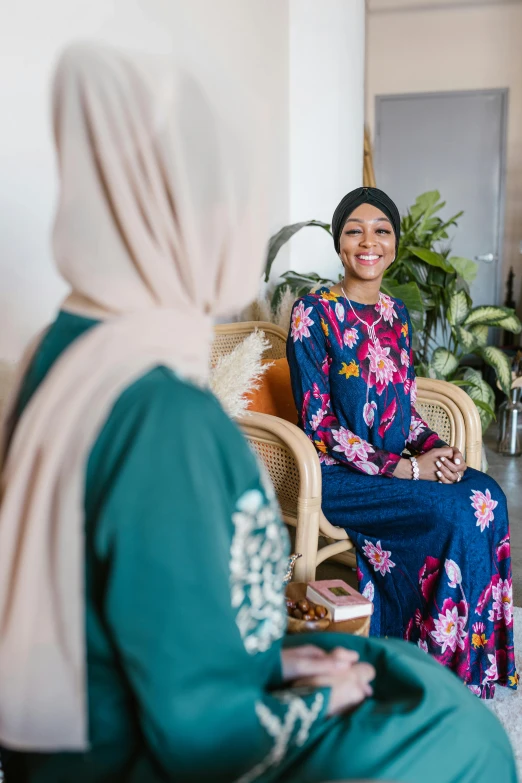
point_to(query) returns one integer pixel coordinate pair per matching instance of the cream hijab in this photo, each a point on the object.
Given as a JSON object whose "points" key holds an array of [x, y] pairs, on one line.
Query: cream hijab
{"points": [[158, 230]]}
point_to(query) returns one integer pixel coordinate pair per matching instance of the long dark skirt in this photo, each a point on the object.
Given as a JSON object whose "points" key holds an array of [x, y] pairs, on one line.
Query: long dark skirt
{"points": [[435, 560]]}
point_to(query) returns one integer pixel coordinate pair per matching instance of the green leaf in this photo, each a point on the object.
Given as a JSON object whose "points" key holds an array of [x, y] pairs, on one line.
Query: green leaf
{"points": [[500, 363], [418, 270], [300, 284], [452, 221], [511, 324], [281, 238], [441, 232], [437, 278], [443, 362], [458, 308], [431, 258], [482, 395], [461, 285], [422, 370], [427, 202], [485, 418], [409, 293], [470, 374], [478, 402], [491, 315], [305, 277], [485, 407], [417, 320], [466, 340], [480, 332], [459, 382], [466, 268], [416, 343], [431, 224]]}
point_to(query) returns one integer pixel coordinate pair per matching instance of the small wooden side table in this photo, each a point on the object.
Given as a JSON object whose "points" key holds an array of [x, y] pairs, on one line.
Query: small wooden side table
{"points": [[358, 627]]}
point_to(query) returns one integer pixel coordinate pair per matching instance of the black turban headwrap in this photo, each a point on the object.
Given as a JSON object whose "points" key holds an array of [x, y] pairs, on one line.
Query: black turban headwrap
{"points": [[360, 196]]}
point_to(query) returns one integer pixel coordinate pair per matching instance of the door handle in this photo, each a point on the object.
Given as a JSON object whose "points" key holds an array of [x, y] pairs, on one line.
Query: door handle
{"points": [[487, 258]]}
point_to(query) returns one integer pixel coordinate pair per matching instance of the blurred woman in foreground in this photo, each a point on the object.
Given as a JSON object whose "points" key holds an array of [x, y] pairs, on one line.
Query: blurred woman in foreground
{"points": [[141, 553]]}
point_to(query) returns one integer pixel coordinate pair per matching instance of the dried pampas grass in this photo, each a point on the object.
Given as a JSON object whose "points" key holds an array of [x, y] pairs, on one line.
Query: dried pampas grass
{"points": [[239, 373], [283, 313], [258, 310], [261, 310]]}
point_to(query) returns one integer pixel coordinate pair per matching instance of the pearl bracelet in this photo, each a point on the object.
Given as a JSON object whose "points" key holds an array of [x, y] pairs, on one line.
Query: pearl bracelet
{"points": [[415, 469]]}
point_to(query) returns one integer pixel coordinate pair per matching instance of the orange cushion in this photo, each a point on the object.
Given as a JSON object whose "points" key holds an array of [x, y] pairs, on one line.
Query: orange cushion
{"points": [[274, 395]]}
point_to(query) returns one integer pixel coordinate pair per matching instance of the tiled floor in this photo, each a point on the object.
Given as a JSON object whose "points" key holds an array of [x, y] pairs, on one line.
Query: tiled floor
{"points": [[508, 472]]}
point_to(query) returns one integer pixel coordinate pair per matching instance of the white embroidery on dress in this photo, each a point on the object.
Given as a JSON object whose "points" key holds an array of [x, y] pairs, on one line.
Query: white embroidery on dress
{"points": [[281, 729], [258, 561]]}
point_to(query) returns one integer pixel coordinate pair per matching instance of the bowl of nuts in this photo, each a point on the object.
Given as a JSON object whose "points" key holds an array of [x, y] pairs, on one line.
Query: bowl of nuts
{"points": [[304, 615]]}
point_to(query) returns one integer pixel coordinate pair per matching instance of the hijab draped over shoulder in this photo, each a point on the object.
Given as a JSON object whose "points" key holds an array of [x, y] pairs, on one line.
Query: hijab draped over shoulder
{"points": [[159, 229]]}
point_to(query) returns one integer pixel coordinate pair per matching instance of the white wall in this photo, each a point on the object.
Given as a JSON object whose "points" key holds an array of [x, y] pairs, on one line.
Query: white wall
{"points": [[464, 45], [326, 120], [250, 35]]}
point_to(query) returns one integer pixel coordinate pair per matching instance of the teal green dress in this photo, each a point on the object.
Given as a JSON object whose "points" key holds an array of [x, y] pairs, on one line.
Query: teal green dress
{"points": [[185, 555]]}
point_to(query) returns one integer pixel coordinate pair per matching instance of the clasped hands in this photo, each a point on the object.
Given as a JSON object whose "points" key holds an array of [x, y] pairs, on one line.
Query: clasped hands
{"points": [[445, 465], [338, 669]]}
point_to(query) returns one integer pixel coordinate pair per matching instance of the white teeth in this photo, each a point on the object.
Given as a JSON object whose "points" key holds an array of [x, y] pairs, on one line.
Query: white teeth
{"points": [[369, 258]]}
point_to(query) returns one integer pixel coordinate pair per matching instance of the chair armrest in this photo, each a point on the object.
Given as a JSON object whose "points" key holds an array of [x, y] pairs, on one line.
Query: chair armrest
{"points": [[293, 464], [461, 412]]}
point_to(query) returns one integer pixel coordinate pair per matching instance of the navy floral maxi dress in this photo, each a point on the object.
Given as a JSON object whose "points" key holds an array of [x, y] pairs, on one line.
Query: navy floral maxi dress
{"points": [[434, 558]]}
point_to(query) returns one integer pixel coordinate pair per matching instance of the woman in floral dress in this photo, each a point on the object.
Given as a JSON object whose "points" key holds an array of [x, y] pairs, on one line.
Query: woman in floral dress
{"points": [[433, 554]]}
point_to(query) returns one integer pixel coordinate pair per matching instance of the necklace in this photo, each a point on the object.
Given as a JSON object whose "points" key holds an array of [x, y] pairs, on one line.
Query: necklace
{"points": [[370, 327]]}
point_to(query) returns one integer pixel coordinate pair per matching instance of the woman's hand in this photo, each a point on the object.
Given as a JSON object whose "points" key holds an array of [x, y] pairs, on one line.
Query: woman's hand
{"points": [[452, 469], [433, 465], [312, 667], [310, 660], [347, 689], [445, 465], [427, 463]]}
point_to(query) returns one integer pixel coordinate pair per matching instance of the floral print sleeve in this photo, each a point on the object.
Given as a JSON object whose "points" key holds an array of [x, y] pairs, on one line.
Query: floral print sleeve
{"points": [[421, 438], [310, 363]]}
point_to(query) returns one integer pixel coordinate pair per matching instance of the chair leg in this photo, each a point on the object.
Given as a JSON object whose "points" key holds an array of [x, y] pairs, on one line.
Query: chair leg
{"points": [[306, 539]]}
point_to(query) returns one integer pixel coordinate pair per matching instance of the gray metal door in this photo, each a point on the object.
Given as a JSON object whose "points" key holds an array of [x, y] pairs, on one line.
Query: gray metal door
{"points": [[453, 142]]}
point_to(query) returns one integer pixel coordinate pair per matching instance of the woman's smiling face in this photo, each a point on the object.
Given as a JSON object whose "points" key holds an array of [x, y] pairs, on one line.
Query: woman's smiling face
{"points": [[367, 243]]}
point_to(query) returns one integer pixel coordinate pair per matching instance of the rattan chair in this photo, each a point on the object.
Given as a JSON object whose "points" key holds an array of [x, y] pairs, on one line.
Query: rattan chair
{"points": [[292, 462]]}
